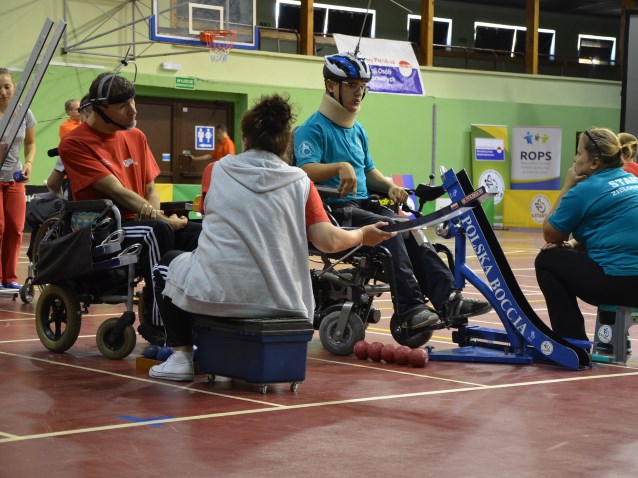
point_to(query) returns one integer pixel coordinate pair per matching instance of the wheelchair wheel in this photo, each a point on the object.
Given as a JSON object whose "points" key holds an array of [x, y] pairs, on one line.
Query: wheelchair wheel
{"points": [[43, 231], [353, 332], [27, 291], [58, 318], [403, 337], [115, 348]]}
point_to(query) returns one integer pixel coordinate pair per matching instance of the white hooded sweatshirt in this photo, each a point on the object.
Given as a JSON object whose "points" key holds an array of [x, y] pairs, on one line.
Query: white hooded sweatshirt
{"points": [[252, 256]]}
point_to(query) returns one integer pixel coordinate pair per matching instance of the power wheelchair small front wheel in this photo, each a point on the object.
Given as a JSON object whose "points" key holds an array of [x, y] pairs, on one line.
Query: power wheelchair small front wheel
{"points": [[341, 343], [58, 318], [112, 345], [404, 336]]}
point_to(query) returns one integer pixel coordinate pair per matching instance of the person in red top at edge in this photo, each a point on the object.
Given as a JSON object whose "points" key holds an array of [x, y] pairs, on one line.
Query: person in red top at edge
{"points": [[106, 157], [631, 166]]}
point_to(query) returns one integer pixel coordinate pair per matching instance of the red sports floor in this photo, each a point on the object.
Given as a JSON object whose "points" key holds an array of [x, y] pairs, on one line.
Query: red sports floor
{"points": [[79, 414]]}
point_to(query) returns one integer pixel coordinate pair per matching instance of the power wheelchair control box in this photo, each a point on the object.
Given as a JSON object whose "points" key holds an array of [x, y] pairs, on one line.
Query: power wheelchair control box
{"points": [[260, 351]]}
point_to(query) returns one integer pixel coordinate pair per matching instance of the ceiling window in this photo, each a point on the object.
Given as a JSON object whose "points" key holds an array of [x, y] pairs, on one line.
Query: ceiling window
{"points": [[596, 50], [328, 19], [512, 38], [442, 35]]}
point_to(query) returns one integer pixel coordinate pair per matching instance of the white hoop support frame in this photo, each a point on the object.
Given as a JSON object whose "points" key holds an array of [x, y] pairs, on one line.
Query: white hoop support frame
{"points": [[219, 43]]}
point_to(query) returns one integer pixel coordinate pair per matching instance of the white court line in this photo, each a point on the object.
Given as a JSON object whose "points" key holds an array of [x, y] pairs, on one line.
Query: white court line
{"points": [[309, 405], [140, 379], [398, 372]]}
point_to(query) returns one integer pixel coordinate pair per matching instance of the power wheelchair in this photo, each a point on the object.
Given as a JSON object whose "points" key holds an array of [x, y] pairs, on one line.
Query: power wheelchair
{"points": [[78, 261], [345, 286]]}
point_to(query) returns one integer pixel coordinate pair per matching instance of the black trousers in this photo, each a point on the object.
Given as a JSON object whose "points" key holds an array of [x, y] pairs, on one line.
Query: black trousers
{"points": [[157, 238], [565, 275], [419, 271], [177, 322]]}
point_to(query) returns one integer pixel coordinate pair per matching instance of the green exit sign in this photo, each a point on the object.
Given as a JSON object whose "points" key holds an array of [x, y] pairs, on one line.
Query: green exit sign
{"points": [[185, 83]]}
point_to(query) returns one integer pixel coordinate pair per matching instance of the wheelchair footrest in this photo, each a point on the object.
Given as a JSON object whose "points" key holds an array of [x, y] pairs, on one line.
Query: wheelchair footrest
{"points": [[118, 261]]}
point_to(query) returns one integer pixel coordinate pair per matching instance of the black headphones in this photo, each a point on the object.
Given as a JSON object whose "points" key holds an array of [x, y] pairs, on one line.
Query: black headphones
{"points": [[102, 96]]}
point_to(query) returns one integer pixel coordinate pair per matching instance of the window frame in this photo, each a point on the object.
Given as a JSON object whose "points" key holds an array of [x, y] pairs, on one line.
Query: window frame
{"points": [[372, 13], [448, 40], [516, 28], [585, 36]]}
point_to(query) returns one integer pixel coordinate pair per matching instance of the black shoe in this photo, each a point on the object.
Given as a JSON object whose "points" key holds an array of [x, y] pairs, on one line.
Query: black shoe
{"points": [[152, 334], [456, 311], [420, 317]]}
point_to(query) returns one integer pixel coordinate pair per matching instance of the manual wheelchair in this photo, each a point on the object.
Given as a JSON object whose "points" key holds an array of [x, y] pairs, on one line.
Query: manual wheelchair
{"points": [[345, 286], [79, 261]]}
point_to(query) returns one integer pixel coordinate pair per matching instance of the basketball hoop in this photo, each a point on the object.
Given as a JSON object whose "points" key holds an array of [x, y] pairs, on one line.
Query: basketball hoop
{"points": [[219, 43]]}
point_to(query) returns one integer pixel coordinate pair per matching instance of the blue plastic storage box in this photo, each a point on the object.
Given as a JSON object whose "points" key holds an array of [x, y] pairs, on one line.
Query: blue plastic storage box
{"points": [[255, 350]]}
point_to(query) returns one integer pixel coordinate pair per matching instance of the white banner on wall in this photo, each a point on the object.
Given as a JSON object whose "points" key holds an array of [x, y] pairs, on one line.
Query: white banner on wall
{"points": [[394, 66], [536, 154]]}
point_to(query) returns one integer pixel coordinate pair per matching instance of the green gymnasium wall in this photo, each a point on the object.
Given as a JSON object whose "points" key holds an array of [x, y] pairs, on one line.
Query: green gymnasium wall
{"points": [[400, 128]]}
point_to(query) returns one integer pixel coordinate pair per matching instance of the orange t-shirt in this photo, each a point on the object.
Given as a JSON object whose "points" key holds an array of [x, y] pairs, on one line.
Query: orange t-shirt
{"points": [[631, 167], [88, 155], [68, 125], [223, 148]]}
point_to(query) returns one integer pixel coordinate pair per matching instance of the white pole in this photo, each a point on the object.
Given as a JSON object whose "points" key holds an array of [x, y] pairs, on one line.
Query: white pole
{"points": [[433, 173]]}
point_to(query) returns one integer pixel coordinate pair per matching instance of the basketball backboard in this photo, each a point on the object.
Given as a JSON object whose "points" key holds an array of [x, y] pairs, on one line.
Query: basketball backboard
{"points": [[181, 21]]}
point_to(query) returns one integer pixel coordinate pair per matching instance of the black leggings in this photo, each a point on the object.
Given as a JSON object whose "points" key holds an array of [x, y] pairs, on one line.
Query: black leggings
{"points": [[177, 322], [566, 274]]}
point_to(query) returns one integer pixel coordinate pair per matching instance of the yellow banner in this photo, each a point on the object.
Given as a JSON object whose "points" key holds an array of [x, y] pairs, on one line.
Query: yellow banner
{"points": [[527, 208]]}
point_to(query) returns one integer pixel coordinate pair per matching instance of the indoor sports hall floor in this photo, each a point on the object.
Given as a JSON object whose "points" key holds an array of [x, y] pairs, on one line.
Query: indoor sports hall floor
{"points": [[79, 414]]}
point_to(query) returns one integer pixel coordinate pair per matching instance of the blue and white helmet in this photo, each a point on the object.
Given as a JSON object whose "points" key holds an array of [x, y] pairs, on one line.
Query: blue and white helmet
{"points": [[345, 66]]}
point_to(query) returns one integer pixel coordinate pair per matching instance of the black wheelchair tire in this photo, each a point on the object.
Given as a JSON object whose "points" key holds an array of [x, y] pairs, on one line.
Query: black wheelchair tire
{"points": [[58, 306], [119, 348], [27, 291], [400, 335], [353, 332]]}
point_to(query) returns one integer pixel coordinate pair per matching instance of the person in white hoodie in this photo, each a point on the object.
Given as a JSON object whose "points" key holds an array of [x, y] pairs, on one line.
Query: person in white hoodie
{"points": [[252, 256]]}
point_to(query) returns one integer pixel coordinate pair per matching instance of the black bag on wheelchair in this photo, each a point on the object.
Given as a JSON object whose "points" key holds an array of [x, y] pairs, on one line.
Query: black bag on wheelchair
{"points": [[84, 243], [65, 258]]}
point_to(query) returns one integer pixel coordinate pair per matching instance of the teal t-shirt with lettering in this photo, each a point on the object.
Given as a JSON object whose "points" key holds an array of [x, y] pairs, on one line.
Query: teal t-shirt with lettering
{"points": [[319, 140], [602, 213]]}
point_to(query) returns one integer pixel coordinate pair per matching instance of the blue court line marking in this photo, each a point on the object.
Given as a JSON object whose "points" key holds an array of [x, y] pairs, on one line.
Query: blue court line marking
{"points": [[133, 419]]}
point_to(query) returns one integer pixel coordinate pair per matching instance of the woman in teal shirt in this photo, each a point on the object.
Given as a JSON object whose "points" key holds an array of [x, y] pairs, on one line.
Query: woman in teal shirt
{"points": [[598, 208]]}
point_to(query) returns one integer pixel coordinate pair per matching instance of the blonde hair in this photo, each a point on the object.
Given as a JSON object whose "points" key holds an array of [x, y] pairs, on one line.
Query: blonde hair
{"points": [[629, 140], [605, 145]]}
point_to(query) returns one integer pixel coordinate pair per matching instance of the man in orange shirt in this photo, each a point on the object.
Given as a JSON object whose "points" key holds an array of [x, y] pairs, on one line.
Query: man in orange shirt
{"points": [[73, 121], [223, 145], [107, 157]]}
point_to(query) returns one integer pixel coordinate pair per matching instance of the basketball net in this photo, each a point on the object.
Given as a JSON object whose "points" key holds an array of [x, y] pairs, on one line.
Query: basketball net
{"points": [[219, 43]]}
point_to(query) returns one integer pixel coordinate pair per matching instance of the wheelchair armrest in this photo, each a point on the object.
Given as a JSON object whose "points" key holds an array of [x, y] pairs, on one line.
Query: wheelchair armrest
{"points": [[181, 208], [326, 192], [426, 192], [88, 205]]}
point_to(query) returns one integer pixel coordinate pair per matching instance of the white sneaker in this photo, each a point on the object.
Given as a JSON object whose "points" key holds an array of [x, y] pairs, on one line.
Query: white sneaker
{"points": [[178, 367]]}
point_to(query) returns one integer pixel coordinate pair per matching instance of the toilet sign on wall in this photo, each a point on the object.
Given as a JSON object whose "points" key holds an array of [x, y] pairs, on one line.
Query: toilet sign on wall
{"points": [[205, 137]]}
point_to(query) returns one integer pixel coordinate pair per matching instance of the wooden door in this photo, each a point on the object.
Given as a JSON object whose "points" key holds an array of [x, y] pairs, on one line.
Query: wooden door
{"points": [[169, 125]]}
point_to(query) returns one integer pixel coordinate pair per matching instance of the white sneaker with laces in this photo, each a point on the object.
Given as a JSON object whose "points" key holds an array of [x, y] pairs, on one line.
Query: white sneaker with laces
{"points": [[177, 367]]}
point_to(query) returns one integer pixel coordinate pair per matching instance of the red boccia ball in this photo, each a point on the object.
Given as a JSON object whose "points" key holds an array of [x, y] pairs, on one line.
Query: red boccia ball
{"points": [[419, 357], [361, 349], [387, 354], [374, 351], [402, 355]]}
